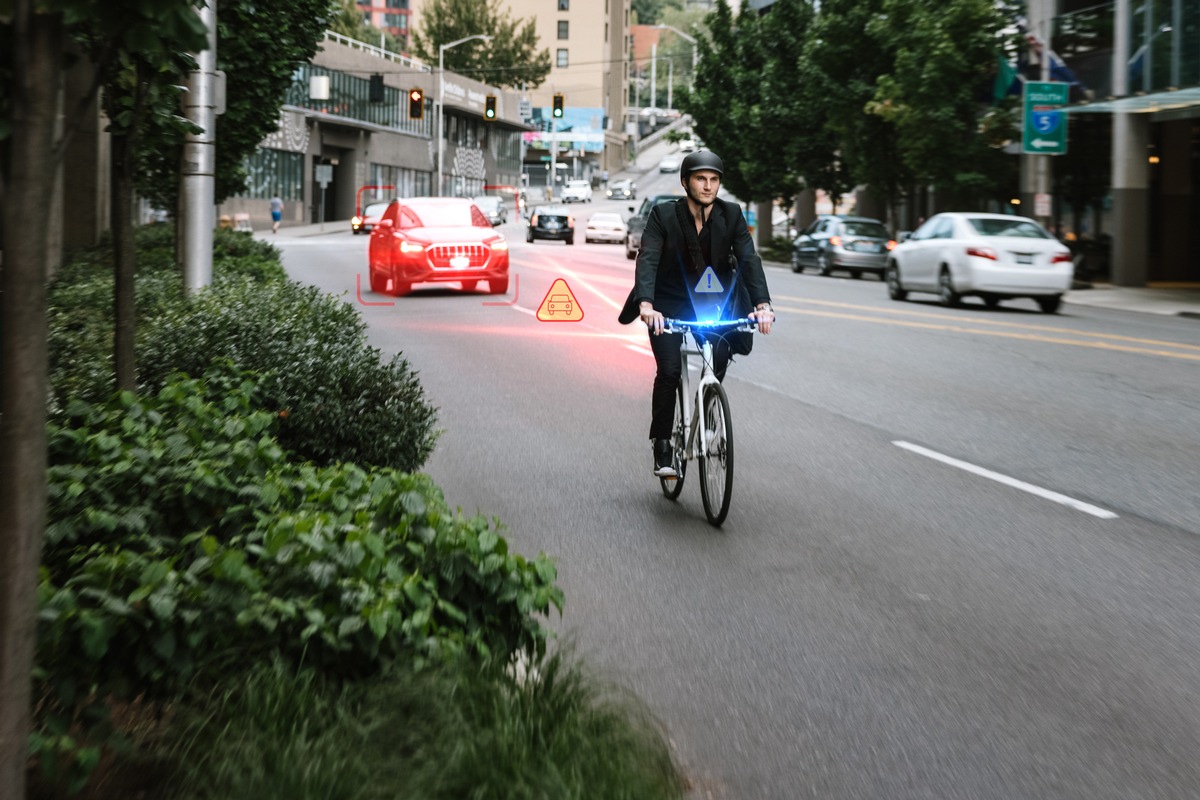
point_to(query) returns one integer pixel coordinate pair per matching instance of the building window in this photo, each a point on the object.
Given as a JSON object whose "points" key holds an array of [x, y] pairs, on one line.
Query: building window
{"points": [[563, 28], [562, 58], [564, 5], [274, 172]]}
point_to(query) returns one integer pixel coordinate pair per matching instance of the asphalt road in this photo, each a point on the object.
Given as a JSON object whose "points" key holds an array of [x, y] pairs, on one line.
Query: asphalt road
{"points": [[871, 621]]}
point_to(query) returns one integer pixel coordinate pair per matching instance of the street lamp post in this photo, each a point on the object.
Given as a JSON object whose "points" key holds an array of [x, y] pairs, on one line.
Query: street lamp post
{"points": [[695, 52], [441, 149]]}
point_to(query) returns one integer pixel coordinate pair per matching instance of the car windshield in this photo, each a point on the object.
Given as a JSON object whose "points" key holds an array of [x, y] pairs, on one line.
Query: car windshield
{"points": [[604, 216], [488, 203], [447, 216], [873, 229], [375, 210], [992, 226]]}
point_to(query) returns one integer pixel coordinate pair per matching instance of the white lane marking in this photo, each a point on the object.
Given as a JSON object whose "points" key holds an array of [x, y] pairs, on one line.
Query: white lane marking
{"points": [[1079, 505]]}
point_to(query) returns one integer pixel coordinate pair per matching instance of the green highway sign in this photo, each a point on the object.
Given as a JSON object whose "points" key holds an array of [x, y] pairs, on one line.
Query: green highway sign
{"points": [[1044, 130]]}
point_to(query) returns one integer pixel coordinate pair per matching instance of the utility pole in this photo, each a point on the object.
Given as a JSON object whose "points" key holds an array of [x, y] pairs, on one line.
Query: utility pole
{"points": [[197, 190]]}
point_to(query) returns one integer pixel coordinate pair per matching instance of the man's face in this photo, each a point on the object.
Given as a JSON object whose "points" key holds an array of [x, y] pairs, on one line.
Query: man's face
{"points": [[703, 185]]}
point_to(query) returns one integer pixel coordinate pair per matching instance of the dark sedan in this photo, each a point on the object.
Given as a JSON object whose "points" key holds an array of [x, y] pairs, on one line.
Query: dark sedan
{"points": [[621, 190], [836, 242], [551, 222]]}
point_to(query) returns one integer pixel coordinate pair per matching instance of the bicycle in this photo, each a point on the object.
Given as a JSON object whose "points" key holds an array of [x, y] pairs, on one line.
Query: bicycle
{"points": [[707, 411]]}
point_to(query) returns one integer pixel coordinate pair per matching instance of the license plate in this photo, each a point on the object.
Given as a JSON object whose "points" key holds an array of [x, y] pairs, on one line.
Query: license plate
{"points": [[1024, 258], [460, 262], [551, 224]]}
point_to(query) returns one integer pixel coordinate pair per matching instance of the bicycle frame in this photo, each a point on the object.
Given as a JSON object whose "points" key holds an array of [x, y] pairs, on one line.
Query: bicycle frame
{"points": [[696, 445]]}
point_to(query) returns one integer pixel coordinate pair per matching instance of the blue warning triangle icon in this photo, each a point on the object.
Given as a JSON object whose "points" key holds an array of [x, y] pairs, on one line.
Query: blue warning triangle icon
{"points": [[709, 282]]}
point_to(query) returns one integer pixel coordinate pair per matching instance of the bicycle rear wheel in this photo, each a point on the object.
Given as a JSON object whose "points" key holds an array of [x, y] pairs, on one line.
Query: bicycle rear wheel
{"points": [[671, 487], [716, 465]]}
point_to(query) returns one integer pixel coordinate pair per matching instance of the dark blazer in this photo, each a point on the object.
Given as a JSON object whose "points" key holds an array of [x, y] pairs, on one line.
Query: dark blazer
{"points": [[665, 257]]}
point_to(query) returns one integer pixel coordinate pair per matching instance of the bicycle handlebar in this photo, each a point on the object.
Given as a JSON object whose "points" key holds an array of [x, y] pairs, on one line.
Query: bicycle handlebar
{"points": [[684, 325]]}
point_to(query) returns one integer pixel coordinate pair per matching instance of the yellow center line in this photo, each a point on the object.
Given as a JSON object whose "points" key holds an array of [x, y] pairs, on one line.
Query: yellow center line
{"points": [[1029, 337], [998, 323]]}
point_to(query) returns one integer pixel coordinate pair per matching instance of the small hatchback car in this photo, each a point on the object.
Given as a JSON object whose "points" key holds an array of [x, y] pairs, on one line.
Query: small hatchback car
{"points": [[551, 222], [436, 240]]}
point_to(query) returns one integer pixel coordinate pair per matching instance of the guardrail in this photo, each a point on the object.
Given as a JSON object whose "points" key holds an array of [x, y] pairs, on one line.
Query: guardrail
{"points": [[377, 51], [684, 121]]}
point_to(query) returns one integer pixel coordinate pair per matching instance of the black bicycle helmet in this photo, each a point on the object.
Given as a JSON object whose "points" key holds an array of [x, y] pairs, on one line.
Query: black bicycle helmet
{"points": [[701, 159]]}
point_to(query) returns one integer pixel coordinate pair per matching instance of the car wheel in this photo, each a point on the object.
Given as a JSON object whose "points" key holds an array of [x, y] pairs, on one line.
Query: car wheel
{"points": [[796, 263], [529, 236], [856, 273], [823, 266], [630, 253], [377, 283], [1049, 305], [895, 290], [571, 240], [946, 291], [498, 285], [991, 301]]}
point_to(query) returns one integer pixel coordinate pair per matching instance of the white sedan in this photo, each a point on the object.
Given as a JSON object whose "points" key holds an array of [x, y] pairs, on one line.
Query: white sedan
{"points": [[990, 256], [605, 226]]}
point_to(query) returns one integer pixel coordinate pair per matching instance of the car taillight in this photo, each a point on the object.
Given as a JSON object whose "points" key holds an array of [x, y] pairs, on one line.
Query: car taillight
{"points": [[411, 247], [500, 244], [533, 220], [1059, 258], [836, 241], [982, 252], [891, 245]]}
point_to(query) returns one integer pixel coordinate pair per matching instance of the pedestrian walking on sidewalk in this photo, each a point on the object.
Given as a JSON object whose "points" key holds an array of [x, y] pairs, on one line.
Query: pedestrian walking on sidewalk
{"points": [[276, 213]]}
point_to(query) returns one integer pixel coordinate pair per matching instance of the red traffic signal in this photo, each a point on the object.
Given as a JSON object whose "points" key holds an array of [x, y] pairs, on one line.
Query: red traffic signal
{"points": [[558, 106], [416, 104], [489, 108]]}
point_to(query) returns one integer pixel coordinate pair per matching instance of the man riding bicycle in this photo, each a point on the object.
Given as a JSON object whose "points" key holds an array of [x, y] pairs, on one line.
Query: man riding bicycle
{"points": [[689, 247]]}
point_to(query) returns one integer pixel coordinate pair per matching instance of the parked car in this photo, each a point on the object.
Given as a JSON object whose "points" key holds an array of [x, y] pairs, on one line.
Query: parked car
{"points": [[434, 240], [605, 226], [492, 208], [637, 223], [577, 192], [368, 219], [838, 242], [622, 190], [990, 256], [551, 222], [669, 164]]}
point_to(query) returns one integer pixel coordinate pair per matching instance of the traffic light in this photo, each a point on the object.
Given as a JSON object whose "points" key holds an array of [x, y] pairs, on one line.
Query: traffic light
{"points": [[376, 93], [489, 108], [416, 104], [558, 106]]}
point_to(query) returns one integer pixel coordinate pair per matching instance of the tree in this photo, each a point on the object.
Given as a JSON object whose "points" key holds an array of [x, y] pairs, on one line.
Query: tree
{"points": [[650, 12], [945, 57], [510, 59], [260, 43], [34, 35]]}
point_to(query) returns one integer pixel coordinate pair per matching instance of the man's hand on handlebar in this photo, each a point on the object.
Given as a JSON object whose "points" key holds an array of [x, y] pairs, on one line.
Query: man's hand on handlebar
{"points": [[764, 316], [652, 318]]}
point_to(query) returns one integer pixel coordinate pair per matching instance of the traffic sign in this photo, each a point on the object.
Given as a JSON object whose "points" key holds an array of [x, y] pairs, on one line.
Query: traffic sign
{"points": [[559, 304], [1044, 131], [525, 110]]}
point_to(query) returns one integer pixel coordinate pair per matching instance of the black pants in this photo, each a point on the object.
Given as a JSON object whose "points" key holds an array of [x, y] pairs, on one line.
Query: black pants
{"points": [[666, 381]]}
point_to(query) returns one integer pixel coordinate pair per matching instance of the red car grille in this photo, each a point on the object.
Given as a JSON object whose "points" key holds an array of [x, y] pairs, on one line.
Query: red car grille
{"points": [[441, 255]]}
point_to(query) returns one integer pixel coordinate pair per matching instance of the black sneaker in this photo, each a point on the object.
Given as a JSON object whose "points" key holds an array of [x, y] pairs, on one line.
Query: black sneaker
{"points": [[662, 459]]}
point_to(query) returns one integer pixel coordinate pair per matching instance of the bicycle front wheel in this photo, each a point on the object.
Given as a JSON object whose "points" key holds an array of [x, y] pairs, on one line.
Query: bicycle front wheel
{"points": [[671, 487], [716, 465]]}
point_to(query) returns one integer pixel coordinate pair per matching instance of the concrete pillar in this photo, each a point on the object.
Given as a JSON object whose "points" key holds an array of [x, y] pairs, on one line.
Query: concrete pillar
{"points": [[1131, 199], [1175, 257]]}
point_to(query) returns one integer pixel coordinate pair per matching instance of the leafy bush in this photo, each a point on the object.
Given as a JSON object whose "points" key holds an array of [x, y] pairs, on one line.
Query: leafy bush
{"points": [[339, 400], [181, 545], [81, 302]]}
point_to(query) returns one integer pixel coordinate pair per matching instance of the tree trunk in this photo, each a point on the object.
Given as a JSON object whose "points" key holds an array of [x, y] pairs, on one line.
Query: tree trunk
{"points": [[124, 261], [36, 81]]}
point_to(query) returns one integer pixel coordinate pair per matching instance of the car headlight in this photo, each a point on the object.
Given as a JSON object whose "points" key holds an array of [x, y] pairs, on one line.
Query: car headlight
{"points": [[411, 247], [356, 220], [500, 244]]}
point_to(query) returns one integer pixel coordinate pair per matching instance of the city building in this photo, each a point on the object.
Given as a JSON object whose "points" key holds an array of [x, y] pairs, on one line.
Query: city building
{"points": [[393, 16], [589, 49], [347, 136]]}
